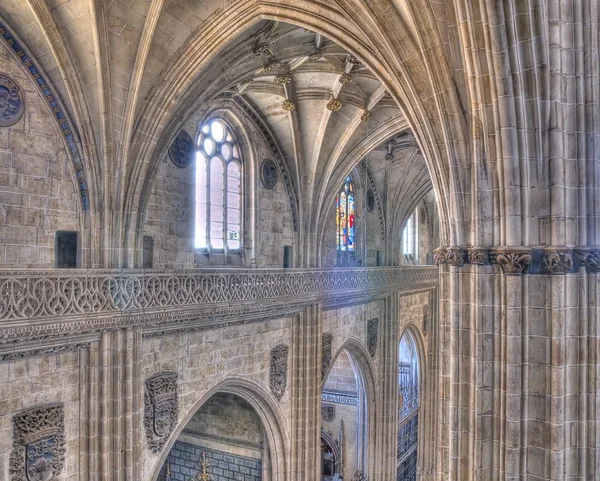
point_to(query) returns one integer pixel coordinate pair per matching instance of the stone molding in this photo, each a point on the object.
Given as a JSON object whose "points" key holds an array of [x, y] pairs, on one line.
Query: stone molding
{"points": [[39, 444], [42, 310]]}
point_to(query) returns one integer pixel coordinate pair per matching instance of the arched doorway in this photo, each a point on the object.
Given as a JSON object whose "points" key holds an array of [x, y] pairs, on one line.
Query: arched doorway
{"points": [[408, 408], [224, 440], [344, 432]]}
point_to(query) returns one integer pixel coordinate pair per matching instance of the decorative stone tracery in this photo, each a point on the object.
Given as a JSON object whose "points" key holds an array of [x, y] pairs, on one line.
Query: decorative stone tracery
{"points": [[278, 370], [38, 443], [161, 408]]}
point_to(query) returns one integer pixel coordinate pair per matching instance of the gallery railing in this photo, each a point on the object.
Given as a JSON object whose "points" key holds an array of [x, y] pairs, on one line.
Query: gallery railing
{"points": [[35, 294]]}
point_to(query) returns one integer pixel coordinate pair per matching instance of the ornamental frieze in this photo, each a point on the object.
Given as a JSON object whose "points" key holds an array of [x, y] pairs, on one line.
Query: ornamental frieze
{"points": [[558, 262], [39, 445], [278, 372], [161, 409]]}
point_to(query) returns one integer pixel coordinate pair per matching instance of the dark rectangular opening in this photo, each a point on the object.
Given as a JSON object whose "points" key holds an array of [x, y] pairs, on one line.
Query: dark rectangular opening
{"points": [[66, 249], [148, 252], [288, 260], [379, 258]]}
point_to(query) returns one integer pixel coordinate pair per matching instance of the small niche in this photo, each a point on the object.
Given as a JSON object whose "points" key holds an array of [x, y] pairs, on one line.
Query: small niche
{"points": [[288, 259]]}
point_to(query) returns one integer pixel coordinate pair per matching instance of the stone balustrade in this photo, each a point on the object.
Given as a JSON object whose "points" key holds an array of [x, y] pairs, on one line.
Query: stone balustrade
{"points": [[37, 305]]}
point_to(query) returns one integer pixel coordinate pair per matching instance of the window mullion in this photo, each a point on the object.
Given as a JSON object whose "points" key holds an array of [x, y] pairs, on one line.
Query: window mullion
{"points": [[225, 191], [208, 206]]}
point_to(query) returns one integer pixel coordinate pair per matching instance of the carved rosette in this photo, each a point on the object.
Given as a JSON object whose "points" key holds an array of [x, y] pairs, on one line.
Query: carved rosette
{"points": [[38, 443], [366, 115], [272, 67], [345, 78], [328, 412], [513, 261], [455, 256], [334, 105], [558, 261], [372, 333], [590, 258], [262, 50], [278, 370], [440, 256], [161, 408], [326, 341], [283, 79], [288, 105], [478, 256]]}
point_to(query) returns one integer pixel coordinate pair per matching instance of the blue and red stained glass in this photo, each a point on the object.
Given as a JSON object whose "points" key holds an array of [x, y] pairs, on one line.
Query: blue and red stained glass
{"points": [[345, 217]]}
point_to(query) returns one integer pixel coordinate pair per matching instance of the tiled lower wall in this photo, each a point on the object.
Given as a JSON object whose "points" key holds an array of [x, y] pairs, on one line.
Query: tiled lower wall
{"points": [[184, 465]]}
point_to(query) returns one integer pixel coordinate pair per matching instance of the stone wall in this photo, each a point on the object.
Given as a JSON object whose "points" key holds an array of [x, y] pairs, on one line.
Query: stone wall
{"points": [[37, 193], [228, 418], [341, 377], [185, 458]]}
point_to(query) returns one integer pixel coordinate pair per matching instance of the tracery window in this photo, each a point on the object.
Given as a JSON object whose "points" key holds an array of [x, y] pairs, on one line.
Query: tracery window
{"points": [[410, 237], [345, 217], [218, 188]]}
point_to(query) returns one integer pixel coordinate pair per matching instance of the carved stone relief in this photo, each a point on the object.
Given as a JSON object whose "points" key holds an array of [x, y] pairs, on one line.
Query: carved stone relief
{"points": [[12, 104], [182, 149], [161, 408], [558, 262], [328, 412], [514, 262], [279, 370], [38, 443], [269, 174], [326, 341], [372, 333]]}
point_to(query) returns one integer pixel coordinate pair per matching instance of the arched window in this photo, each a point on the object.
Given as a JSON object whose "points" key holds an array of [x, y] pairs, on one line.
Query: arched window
{"points": [[345, 217], [410, 235], [218, 188]]}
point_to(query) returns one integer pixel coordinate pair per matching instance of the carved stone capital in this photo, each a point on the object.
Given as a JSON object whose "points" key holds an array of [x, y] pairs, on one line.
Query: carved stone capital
{"points": [[558, 261], [513, 260], [479, 256], [440, 256], [588, 257], [455, 256]]}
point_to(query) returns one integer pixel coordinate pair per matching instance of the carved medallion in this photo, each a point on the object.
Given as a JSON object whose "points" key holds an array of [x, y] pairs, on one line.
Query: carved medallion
{"points": [[268, 174], [334, 105], [278, 371], [372, 331], [12, 105], [326, 341], [181, 150], [161, 408], [38, 443], [370, 200], [328, 412]]}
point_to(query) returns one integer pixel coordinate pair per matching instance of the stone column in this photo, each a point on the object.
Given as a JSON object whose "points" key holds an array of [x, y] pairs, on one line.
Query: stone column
{"points": [[111, 406], [383, 465], [306, 394]]}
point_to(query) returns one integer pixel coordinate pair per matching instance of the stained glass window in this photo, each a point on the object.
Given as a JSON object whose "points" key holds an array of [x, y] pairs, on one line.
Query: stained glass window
{"points": [[345, 217], [218, 188]]}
